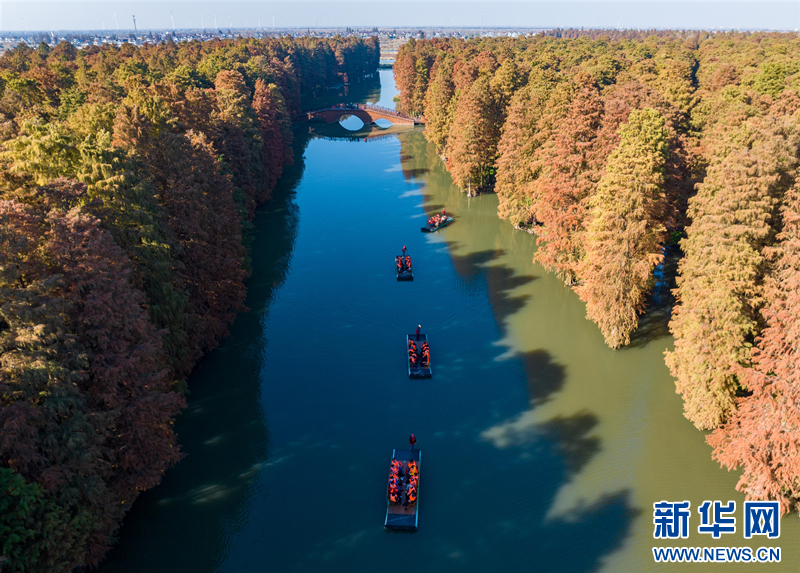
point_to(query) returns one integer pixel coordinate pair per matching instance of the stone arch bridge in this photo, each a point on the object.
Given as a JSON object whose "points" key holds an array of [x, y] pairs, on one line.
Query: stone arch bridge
{"points": [[367, 113]]}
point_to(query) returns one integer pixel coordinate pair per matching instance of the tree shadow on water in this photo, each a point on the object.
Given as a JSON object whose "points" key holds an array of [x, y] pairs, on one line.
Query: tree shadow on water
{"points": [[653, 325], [544, 376], [593, 531], [569, 440], [654, 322], [412, 173], [183, 523], [477, 271], [529, 534]]}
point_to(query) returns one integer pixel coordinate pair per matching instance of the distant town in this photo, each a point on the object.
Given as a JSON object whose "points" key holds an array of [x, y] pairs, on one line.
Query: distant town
{"points": [[389, 38]]}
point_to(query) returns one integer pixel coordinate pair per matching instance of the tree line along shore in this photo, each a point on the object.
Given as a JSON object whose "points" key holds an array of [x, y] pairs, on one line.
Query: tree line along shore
{"points": [[612, 147], [129, 178]]}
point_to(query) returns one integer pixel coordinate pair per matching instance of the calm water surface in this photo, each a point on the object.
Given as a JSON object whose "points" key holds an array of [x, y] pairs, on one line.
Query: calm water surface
{"points": [[543, 449]]}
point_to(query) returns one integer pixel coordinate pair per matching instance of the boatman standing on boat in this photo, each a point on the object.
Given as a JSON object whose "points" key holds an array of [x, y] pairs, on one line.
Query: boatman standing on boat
{"points": [[411, 443], [418, 327], [444, 213], [404, 250]]}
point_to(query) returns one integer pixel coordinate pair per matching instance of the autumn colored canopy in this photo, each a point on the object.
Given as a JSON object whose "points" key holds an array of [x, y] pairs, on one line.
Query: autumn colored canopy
{"points": [[616, 148], [129, 176]]}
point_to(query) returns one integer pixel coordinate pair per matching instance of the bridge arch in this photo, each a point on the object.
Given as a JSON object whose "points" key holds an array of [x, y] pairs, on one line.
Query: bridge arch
{"points": [[365, 112]]}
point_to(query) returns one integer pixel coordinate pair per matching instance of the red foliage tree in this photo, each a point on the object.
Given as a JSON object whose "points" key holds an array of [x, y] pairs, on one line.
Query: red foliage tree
{"points": [[571, 171], [763, 435], [272, 120], [720, 287], [127, 374], [202, 215]]}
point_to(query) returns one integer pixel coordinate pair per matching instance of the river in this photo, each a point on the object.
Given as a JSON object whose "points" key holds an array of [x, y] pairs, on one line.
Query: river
{"points": [[544, 450]]}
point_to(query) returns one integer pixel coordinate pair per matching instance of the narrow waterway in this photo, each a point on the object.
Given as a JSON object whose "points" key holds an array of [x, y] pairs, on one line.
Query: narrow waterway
{"points": [[543, 449]]}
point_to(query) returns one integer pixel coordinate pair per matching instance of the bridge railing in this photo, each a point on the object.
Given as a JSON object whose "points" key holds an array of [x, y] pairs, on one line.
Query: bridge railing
{"points": [[386, 110], [368, 107]]}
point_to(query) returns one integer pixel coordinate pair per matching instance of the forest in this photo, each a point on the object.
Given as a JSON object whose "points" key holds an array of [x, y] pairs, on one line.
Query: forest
{"points": [[129, 178], [616, 147]]}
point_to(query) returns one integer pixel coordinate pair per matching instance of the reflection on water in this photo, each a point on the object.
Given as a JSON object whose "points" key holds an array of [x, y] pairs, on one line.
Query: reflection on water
{"points": [[351, 123], [544, 449]]}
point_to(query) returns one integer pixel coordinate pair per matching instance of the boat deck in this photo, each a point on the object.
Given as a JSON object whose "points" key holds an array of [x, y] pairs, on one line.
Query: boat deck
{"points": [[406, 275], [429, 229], [399, 515], [418, 371]]}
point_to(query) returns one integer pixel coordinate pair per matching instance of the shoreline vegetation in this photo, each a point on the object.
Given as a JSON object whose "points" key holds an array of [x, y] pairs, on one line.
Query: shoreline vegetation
{"points": [[129, 179], [613, 147]]}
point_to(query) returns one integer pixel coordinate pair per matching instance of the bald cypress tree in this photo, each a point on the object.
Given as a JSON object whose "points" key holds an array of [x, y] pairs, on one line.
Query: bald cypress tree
{"points": [[240, 139], [276, 136], [720, 284], [570, 173], [762, 437], [533, 116], [439, 102], [472, 143], [625, 233], [405, 73]]}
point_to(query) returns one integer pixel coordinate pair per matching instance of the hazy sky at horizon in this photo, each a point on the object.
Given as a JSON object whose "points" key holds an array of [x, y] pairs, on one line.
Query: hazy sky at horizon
{"points": [[110, 15]]}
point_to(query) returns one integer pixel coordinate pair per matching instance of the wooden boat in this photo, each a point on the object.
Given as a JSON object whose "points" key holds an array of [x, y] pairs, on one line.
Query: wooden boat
{"points": [[417, 371], [432, 229], [401, 515], [405, 275]]}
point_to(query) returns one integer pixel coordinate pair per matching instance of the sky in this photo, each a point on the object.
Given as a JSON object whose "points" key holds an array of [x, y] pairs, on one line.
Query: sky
{"points": [[112, 15]]}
